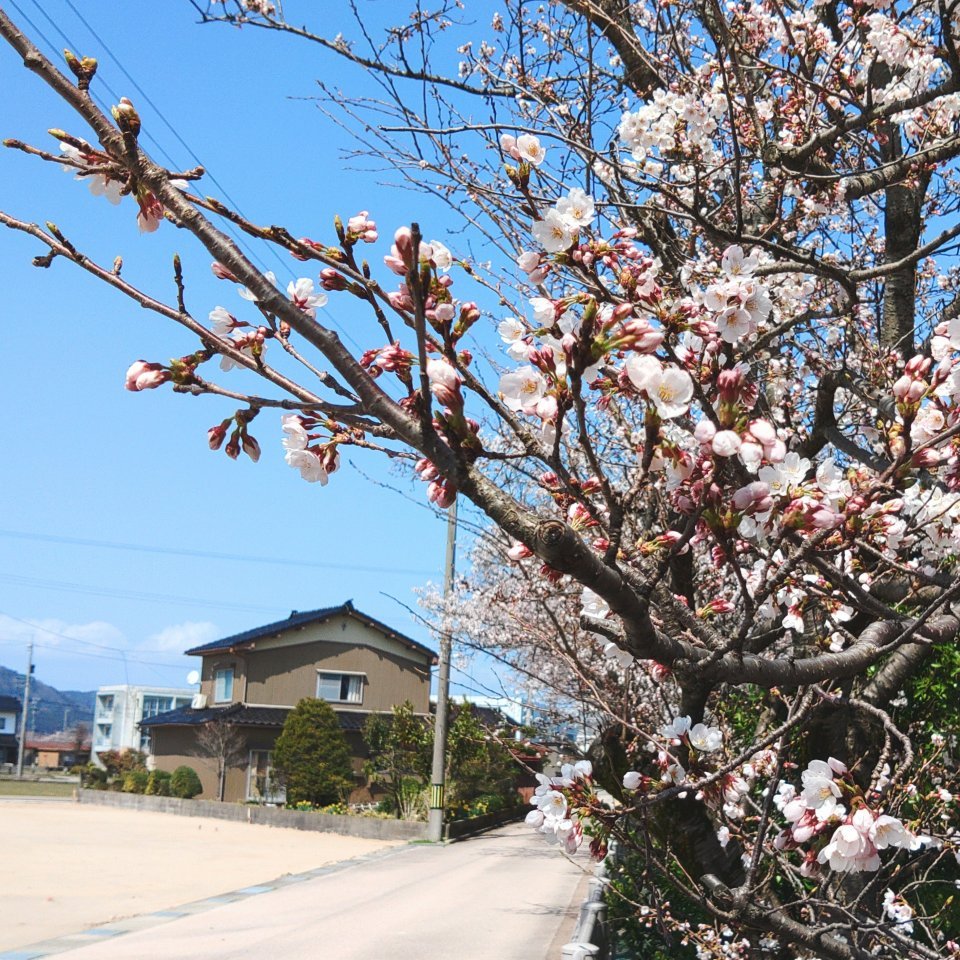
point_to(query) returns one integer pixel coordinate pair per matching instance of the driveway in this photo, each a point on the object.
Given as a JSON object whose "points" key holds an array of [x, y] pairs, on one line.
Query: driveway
{"points": [[506, 895]]}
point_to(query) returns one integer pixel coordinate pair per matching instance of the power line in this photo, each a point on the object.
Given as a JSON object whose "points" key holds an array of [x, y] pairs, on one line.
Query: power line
{"points": [[65, 636], [210, 176], [101, 656], [237, 236], [70, 587], [211, 555], [113, 93]]}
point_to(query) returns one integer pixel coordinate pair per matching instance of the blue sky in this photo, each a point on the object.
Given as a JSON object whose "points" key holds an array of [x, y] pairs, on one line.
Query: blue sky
{"points": [[114, 504]]}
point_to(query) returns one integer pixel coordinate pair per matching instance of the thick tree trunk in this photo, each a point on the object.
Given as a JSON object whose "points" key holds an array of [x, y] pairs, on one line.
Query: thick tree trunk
{"points": [[902, 228]]}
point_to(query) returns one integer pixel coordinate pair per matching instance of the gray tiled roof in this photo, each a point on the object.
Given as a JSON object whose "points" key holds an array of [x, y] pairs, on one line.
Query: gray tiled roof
{"points": [[245, 716], [238, 713], [301, 618]]}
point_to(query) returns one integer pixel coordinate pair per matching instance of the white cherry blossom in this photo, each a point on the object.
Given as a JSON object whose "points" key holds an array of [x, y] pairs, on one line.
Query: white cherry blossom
{"points": [[522, 388], [554, 232], [670, 388]]}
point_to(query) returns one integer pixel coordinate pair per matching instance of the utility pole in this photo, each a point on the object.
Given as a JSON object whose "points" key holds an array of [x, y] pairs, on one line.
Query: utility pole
{"points": [[25, 706], [439, 769]]}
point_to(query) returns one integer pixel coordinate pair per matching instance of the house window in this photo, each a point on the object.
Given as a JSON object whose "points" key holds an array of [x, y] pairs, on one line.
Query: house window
{"points": [[340, 687], [261, 785], [223, 685], [154, 705], [3, 723]]}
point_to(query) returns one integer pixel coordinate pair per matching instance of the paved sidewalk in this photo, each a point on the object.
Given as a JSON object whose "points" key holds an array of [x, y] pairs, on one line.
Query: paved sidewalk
{"points": [[502, 896]]}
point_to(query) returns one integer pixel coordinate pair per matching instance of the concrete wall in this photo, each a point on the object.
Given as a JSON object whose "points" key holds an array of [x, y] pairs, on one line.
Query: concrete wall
{"points": [[371, 827]]}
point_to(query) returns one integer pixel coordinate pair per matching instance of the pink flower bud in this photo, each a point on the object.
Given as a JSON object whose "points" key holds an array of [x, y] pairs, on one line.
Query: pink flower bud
{"points": [[440, 493], [750, 455], [426, 470], [726, 443], [250, 447], [145, 376], [704, 432], [926, 458], [444, 312], [902, 387], [547, 408], [528, 261], [445, 383], [764, 431], [539, 275], [917, 390], [753, 498], [331, 280], [519, 551], [216, 435], [776, 451], [395, 264], [917, 367], [825, 519], [729, 384], [403, 241], [221, 272]]}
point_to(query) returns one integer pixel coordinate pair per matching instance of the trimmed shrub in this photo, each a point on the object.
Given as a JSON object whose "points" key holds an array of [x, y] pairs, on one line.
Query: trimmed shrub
{"points": [[158, 783], [135, 781], [93, 778], [311, 755], [185, 783]]}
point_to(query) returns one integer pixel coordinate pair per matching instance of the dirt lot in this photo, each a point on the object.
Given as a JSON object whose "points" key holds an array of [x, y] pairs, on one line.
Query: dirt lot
{"points": [[67, 867]]}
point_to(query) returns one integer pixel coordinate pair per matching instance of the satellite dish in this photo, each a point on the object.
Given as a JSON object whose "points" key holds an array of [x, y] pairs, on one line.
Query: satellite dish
{"points": [[193, 677]]}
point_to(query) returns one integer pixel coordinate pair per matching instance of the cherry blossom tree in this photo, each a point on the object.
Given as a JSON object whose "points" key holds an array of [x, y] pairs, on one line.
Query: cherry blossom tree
{"points": [[547, 664], [717, 244]]}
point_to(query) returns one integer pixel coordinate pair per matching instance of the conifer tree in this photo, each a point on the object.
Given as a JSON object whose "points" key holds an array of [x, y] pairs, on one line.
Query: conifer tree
{"points": [[311, 755]]}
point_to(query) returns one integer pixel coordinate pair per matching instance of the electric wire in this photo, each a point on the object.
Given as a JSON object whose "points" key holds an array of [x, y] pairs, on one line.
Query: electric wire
{"points": [[146, 134], [190, 152], [213, 555], [66, 586]]}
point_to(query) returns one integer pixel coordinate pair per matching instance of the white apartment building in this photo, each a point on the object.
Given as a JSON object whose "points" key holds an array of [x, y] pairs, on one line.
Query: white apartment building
{"points": [[120, 708]]}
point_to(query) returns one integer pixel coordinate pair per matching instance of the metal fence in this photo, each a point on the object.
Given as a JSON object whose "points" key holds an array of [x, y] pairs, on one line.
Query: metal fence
{"points": [[591, 938]]}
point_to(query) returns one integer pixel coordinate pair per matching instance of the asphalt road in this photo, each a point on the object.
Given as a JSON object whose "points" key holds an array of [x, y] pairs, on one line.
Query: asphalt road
{"points": [[506, 895]]}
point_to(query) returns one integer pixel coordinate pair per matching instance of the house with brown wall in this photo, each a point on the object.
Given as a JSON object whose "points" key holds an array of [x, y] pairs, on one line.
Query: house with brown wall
{"points": [[252, 680]]}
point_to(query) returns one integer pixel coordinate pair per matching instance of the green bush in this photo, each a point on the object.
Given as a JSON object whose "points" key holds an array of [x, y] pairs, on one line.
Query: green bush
{"points": [[93, 778], [135, 781], [158, 783], [311, 755], [185, 783]]}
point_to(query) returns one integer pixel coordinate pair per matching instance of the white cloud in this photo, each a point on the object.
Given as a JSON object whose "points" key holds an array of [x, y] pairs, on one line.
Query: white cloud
{"points": [[51, 632], [182, 636]]}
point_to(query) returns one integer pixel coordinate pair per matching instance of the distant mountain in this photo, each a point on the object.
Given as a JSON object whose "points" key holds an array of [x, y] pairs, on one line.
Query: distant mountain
{"points": [[49, 705]]}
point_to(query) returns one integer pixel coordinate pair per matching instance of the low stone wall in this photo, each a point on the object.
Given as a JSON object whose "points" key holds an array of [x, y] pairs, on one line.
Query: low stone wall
{"points": [[457, 829], [371, 827]]}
